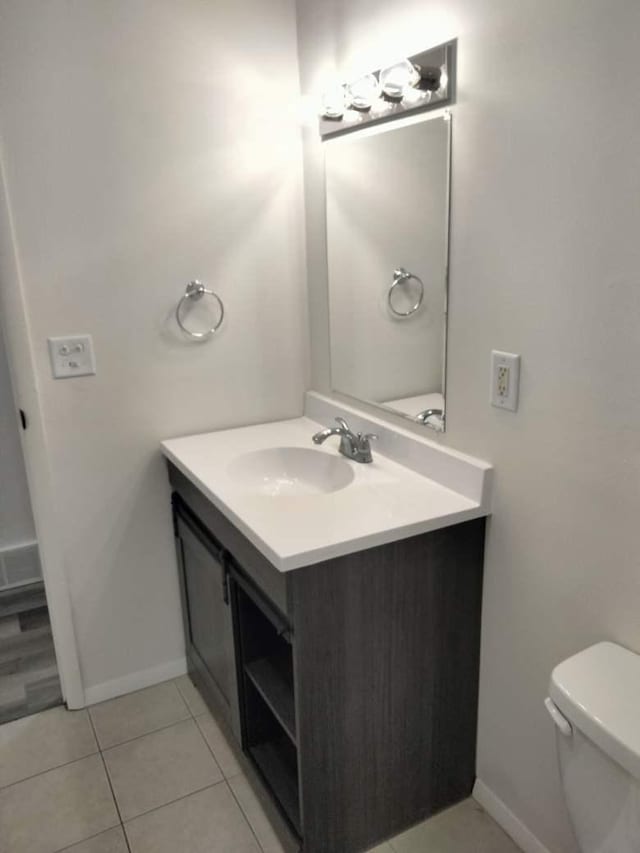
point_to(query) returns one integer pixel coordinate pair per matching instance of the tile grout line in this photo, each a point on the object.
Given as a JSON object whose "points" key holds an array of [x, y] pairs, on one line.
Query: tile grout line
{"points": [[190, 718], [160, 728], [206, 742], [99, 751], [181, 694], [244, 815], [210, 748], [113, 793], [90, 838], [207, 712], [170, 803], [172, 681], [138, 737], [225, 778], [49, 770], [190, 715], [195, 716], [99, 748]]}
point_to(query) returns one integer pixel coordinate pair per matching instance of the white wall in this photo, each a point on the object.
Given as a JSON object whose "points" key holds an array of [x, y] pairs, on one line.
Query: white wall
{"points": [[142, 149], [387, 208], [545, 261], [16, 520]]}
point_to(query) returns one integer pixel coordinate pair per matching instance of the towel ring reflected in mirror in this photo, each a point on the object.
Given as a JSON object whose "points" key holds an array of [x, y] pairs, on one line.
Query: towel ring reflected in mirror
{"points": [[196, 290], [402, 276]]}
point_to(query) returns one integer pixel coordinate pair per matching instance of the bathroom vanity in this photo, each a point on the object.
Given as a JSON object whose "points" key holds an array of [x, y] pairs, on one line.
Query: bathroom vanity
{"points": [[332, 617], [332, 606]]}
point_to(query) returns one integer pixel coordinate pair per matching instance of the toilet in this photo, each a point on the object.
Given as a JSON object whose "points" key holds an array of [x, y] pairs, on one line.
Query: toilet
{"points": [[594, 700]]}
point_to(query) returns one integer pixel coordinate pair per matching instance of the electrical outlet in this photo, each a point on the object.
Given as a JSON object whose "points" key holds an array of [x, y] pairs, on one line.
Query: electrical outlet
{"points": [[505, 380], [72, 356]]}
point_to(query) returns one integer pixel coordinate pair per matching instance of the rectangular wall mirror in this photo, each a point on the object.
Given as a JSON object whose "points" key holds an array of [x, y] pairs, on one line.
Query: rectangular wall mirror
{"points": [[387, 243]]}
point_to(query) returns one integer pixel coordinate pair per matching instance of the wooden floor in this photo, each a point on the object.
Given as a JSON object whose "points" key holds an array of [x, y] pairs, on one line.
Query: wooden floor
{"points": [[29, 679]]}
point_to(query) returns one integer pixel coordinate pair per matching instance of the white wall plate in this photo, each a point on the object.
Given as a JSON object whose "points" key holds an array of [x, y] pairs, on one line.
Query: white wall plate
{"points": [[72, 356]]}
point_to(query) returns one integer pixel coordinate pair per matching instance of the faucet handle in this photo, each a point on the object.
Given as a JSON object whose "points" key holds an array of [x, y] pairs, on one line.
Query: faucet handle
{"points": [[362, 445], [365, 440]]}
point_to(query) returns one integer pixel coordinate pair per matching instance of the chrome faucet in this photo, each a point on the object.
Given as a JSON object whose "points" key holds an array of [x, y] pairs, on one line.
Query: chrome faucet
{"points": [[353, 445], [436, 414]]}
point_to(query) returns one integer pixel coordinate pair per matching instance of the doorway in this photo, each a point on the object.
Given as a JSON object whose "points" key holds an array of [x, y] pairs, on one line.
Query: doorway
{"points": [[29, 678]]}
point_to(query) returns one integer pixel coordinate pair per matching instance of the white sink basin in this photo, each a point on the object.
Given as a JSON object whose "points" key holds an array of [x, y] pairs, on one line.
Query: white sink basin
{"points": [[300, 504], [290, 472]]}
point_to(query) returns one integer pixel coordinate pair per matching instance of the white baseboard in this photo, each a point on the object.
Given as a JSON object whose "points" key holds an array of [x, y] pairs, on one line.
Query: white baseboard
{"points": [[135, 681], [17, 546], [504, 817]]}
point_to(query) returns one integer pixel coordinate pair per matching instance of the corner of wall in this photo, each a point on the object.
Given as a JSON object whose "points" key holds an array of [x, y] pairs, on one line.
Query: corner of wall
{"points": [[505, 818]]}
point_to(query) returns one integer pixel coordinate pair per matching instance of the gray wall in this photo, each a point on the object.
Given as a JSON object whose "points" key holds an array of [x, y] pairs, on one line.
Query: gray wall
{"points": [[545, 260], [140, 153]]}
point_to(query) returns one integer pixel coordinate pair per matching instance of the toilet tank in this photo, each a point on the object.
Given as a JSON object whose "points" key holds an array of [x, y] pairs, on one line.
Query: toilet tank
{"points": [[597, 692]]}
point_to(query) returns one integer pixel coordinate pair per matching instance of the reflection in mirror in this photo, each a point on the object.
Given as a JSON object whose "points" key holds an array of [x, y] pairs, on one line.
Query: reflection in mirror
{"points": [[387, 244]]}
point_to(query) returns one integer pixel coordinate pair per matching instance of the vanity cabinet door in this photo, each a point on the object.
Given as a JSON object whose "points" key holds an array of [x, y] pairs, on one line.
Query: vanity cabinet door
{"points": [[207, 614]]}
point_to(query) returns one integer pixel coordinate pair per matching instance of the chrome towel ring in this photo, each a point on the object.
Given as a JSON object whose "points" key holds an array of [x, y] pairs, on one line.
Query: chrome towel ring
{"points": [[401, 276], [196, 290]]}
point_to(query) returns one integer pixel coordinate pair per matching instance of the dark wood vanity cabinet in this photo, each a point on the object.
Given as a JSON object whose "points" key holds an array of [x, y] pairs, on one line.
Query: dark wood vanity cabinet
{"points": [[208, 623], [351, 684]]}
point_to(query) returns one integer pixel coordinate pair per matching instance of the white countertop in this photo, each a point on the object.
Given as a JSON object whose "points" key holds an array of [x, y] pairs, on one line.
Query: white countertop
{"points": [[384, 502], [413, 406]]}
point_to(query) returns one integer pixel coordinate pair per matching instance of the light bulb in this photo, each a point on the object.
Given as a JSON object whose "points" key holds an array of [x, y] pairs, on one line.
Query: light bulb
{"points": [[334, 102], [412, 97], [397, 79], [444, 80], [364, 91]]}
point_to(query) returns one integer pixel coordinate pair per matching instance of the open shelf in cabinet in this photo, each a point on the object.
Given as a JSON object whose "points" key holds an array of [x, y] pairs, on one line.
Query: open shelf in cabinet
{"points": [[265, 666], [274, 756], [273, 679]]}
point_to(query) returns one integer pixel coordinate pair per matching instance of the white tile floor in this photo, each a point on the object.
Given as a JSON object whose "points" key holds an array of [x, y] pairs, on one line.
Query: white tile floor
{"points": [[153, 772]]}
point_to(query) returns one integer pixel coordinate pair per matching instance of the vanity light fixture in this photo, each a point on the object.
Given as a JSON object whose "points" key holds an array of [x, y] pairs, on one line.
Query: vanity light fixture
{"points": [[425, 81]]}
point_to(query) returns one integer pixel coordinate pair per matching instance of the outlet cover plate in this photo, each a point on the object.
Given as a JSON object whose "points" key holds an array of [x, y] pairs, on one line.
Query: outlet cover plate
{"points": [[71, 356], [505, 380]]}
